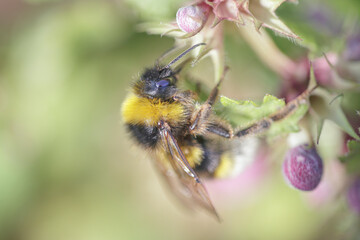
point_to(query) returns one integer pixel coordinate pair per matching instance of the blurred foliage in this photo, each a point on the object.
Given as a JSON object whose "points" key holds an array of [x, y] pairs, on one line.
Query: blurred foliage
{"points": [[67, 167], [320, 27], [352, 158], [160, 10]]}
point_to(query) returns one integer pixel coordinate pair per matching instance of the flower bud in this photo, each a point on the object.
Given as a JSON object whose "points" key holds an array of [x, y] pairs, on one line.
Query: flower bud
{"points": [[353, 196], [192, 18], [303, 167], [323, 71]]}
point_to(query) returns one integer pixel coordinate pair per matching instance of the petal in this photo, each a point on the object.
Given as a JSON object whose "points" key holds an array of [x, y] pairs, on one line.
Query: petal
{"points": [[227, 10]]}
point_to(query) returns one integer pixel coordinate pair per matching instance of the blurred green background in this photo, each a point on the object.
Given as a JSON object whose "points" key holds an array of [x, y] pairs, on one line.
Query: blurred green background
{"points": [[68, 170]]}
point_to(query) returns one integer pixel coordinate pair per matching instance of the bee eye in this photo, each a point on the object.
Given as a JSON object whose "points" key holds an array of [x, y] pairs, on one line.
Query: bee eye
{"points": [[162, 83]]}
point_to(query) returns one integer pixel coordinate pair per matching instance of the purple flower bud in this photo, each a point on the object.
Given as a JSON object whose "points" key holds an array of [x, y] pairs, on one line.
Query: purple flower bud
{"points": [[192, 18], [353, 196], [303, 167]]}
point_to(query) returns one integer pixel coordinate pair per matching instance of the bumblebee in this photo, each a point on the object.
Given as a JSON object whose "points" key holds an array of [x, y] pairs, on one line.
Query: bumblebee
{"points": [[180, 134]]}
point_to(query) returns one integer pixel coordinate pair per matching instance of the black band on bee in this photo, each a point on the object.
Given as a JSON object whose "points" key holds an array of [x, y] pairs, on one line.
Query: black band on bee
{"points": [[210, 156], [210, 160], [145, 135]]}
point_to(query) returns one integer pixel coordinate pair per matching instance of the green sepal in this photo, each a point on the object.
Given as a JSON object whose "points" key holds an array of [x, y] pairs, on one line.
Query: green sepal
{"points": [[327, 106]]}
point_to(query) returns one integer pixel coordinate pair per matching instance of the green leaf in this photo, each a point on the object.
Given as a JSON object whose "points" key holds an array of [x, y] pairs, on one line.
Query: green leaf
{"points": [[352, 159], [244, 113]]}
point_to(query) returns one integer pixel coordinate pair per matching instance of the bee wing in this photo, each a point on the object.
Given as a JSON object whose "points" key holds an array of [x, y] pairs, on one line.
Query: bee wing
{"points": [[181, 178]]}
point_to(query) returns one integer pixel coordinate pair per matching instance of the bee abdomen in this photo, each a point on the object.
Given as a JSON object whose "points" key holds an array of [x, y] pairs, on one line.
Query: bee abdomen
{"points": [[147, 136], [210, 161]]}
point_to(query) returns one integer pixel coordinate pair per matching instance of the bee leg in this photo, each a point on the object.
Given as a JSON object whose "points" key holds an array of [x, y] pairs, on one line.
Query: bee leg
{"points": [[264, 124], [227, 132], [220, 129], [185, 97], [199, 118], [256, 128]]}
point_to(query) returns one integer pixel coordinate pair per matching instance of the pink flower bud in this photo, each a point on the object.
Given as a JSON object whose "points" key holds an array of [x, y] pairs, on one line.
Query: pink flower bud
{"points": [[322, 70], [353, 196], [192, 18], [303, 167]]}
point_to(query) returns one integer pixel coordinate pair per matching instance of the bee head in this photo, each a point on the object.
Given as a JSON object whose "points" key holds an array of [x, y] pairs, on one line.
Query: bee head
{"points": [[155, 83], [160, 82]]}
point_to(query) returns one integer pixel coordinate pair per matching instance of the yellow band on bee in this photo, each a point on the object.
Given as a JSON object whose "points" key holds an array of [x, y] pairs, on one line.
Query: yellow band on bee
{"points": [[140, 110], [193, 154], [225, 166]]}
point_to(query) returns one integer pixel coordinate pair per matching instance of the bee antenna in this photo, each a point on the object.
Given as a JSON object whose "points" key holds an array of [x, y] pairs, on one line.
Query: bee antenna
{"points": [[181, 55]]}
